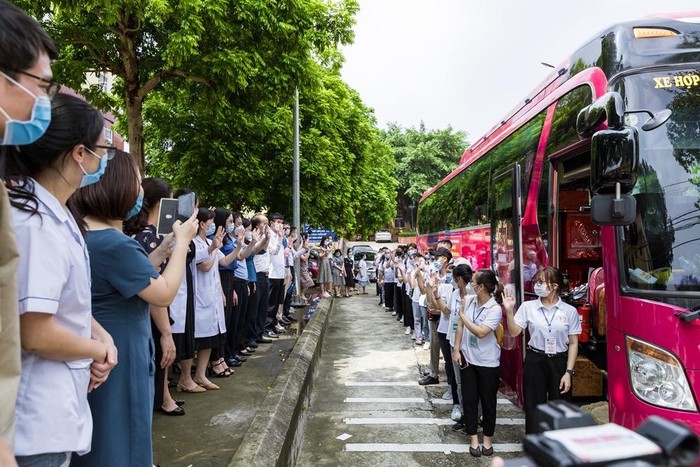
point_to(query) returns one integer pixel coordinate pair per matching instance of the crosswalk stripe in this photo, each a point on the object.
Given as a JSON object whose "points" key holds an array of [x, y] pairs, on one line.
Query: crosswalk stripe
{"points": [[396, 447], [421, 421]]}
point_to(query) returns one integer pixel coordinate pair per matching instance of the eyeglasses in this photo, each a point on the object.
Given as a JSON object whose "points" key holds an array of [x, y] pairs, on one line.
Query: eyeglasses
{"points": [[51, 88], [111, 151]]}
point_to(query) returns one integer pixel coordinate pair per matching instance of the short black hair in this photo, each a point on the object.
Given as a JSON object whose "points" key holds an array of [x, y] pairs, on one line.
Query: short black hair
{"points": [[275, 216], [22, 40]]}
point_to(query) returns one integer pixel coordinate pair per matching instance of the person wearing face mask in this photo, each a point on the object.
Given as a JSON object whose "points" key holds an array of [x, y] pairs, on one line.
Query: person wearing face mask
{"points": [[554, 327], [438, 292], [141, 226], [325, 274], [348, 264], [476, 352], [124, 283], [26, 52], [62, 342], [389, 279], [338, 268], [237, 349], [251, 338]]}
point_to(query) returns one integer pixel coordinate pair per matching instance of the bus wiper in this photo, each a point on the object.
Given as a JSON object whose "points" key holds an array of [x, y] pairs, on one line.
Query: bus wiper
{"points": [[688, 316]]}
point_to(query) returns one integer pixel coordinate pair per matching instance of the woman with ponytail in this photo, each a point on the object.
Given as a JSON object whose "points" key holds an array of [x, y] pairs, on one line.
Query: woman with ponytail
{"points": [[478, 354]]}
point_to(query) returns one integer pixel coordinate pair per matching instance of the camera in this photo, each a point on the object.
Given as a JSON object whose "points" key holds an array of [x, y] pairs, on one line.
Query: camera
{"points": [[570, 437]]}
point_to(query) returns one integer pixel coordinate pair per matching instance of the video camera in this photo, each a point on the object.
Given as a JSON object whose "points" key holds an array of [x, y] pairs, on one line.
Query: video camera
{"points": [[571, 437]]}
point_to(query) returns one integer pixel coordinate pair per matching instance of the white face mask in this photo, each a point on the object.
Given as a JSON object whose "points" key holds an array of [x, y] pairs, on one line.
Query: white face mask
{"points": [[542, 291]]}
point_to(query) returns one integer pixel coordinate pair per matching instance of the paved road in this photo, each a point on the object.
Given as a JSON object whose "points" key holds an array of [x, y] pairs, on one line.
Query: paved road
{"points": [[367, 388]]}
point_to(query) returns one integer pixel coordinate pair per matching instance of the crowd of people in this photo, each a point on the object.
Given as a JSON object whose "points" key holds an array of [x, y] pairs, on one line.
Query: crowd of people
{"points": [[449, 309], [96, 305]]}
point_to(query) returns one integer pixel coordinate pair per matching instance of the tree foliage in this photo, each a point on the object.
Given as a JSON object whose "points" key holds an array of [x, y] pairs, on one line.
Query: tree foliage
{"points": [[204, 90], [423, 158]]}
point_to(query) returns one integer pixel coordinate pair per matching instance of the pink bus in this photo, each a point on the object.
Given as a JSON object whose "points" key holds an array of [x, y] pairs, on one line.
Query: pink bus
{"points": [[597, 172]]}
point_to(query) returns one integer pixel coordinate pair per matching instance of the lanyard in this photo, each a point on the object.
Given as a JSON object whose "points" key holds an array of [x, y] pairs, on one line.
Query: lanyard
{"points": [[474, 311], [550, 320]]}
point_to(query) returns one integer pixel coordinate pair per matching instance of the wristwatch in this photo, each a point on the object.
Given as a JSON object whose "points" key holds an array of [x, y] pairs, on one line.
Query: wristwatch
{"points": [[571, 372]]}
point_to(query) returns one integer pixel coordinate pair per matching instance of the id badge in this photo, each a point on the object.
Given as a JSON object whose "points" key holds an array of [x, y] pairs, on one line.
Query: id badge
{"points": [[550, 346], [473, 341]]}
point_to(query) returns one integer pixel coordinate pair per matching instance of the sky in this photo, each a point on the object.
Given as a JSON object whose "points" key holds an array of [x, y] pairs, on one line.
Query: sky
{"points": [[467, 63]]}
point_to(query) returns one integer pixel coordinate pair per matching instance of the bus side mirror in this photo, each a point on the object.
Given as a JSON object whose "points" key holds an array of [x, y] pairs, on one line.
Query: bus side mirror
{"points": [[611, 210], [609, 106], [614, 159]]}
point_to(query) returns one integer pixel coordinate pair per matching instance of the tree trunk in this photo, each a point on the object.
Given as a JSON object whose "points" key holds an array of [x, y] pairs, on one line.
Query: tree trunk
{"points": [[134, 121], [132, 88]]}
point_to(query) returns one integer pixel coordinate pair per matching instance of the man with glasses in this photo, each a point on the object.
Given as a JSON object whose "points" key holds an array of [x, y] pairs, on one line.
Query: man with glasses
{"points": [[26, 85]]}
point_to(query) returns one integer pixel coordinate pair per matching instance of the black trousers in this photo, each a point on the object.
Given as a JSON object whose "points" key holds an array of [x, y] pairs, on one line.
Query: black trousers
{"points": [[389, 295], [276, 298], [398, 301], [263, 284], [286, 308], [227, 287], [234, 335], [479, 384], [449, 371], [541, 377], [252, 313], [407, 309]]}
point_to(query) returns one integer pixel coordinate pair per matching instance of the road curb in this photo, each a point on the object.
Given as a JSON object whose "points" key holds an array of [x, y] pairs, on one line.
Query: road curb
{"points": [[275, 435]]}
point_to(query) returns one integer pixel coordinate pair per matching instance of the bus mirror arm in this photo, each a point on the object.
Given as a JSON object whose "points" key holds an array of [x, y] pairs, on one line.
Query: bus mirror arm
{"points": [[688, 316], [610, 106]]}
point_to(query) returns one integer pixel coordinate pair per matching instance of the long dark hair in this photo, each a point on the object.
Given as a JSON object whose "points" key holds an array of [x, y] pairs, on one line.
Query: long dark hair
{"points": [[487, 278], [551, 275], [464, 271], [73, 122], [154, 189], [220, 216]]}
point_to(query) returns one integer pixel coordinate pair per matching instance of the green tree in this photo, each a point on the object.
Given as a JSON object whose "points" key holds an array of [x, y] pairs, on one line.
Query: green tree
{"points": [[242, 158], [423, 158], [247, 50]]}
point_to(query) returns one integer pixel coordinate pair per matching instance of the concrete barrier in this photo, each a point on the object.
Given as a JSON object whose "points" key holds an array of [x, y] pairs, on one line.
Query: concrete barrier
{"points": [[274, 437]]}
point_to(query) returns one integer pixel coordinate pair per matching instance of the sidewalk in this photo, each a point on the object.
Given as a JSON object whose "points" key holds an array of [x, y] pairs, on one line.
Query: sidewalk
{"points": [[216, 421]]}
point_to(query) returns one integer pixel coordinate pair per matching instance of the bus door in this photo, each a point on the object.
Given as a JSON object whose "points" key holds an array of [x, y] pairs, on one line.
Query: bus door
{"points": [[506, 250]]}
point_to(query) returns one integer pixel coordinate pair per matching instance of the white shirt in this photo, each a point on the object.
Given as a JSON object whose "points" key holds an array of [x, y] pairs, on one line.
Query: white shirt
{"points": [[455, 304], [276, 269], [209, 319], [52, 412], [564, 320], [483, 351], [445, 291], [178, 309]]}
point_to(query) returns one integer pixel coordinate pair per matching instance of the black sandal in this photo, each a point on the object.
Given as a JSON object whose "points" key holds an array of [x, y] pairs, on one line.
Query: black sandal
{"points": [[224, 371]]}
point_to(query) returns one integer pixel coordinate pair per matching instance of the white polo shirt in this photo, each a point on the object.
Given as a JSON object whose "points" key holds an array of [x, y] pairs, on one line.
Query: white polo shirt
{"points": [[52, 413], [445, 291], [558, 322], [276, 251], [483, 351]]}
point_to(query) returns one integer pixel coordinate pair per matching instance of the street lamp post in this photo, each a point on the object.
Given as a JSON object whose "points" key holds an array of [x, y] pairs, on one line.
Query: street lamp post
{"points": [[412, 207]]}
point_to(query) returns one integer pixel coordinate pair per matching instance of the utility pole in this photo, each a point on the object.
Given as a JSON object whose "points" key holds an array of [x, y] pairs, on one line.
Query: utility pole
{"points": [[296, 216]]}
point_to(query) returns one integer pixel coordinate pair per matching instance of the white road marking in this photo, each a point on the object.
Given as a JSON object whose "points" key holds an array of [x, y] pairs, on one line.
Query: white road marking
{"points": [[388, 383], [385, 400], [395, 447], [420, 421], [449, 402]]}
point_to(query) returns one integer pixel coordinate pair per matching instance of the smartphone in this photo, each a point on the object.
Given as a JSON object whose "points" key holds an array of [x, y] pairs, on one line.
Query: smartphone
{"points": [[185, 206], [167, 215], [463, 363]]}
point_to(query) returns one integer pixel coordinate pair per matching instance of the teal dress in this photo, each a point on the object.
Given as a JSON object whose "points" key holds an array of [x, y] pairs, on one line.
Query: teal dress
{"points": [[122, 407]]}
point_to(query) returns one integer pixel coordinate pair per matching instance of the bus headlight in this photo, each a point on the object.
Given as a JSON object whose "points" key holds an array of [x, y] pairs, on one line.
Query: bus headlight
{"points": [[657, 376]]}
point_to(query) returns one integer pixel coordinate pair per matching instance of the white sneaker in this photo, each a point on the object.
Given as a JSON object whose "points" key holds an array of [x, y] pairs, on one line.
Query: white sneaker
{"points": [[393, 313], [408, 330], [456, 413], [448, 394], [426, 346]]}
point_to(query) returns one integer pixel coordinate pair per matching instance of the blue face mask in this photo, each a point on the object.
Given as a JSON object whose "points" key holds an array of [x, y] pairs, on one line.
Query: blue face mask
{"points": [[137, 207], [89, 179], [448, 278], [211, 229], [20, 133], [230, 228], [437, 266]]}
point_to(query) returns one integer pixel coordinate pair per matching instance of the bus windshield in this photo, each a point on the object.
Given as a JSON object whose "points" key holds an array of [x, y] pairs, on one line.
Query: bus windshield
{"points": [[662, 247]]}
